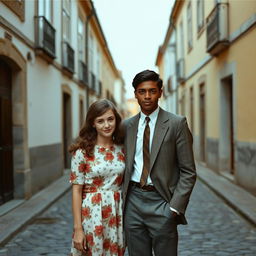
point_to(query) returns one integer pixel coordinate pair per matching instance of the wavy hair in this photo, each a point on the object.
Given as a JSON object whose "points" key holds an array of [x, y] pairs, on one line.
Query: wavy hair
{"points": [[88, 134]]}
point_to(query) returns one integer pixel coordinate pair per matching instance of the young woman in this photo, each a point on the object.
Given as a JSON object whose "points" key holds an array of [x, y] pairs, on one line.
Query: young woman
{"points": [[96, 174]]}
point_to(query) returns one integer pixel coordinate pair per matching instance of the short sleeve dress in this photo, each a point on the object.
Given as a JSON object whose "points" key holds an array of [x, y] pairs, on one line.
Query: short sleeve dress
{"points": [[101, 176]]}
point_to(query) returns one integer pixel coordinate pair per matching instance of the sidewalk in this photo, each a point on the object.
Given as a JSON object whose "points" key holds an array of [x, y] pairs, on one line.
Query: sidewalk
{"points": [[17, 218], [239, 199], [236, 197]]}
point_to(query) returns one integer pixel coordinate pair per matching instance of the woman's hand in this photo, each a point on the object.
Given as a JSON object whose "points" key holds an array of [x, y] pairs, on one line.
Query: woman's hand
{"points": [[80, 240]]}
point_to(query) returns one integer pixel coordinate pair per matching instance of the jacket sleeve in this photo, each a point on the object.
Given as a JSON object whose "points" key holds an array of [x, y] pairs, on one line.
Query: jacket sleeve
{"points": [[186, 166]]}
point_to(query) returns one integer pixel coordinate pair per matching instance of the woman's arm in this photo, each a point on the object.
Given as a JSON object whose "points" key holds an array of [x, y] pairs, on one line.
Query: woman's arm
{"points": [[79, 236]]}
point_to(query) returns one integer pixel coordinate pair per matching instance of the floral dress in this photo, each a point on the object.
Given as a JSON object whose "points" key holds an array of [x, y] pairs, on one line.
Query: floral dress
{"points": [[102, 219]]}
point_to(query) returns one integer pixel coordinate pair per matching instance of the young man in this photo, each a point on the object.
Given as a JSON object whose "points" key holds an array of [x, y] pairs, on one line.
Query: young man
{"points": [[160, 172]]}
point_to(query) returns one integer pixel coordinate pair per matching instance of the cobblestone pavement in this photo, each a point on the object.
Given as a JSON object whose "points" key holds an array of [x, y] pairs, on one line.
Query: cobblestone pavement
{"points": [[214, 229]]}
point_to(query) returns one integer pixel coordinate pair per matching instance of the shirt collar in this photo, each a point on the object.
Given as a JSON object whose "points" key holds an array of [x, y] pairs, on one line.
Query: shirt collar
{"points": [[152, 116]]}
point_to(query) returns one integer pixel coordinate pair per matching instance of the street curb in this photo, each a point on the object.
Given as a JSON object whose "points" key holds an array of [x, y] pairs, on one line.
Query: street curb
{"points": [[16, 219], [236, 197]]}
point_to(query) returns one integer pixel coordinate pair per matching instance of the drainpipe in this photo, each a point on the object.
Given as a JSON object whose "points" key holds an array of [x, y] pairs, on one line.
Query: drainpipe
{"points": [[88, 18]]}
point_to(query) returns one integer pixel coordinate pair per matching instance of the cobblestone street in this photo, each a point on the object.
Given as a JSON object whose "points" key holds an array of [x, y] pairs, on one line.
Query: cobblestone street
{"points": [[214, 229]]}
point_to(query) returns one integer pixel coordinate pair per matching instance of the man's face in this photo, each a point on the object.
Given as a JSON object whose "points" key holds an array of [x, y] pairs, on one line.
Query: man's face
{"points": [[148, 94]]}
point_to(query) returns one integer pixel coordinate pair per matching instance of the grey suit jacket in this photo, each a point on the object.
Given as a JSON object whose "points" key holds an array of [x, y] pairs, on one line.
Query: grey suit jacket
{"points": [[172, 167]]}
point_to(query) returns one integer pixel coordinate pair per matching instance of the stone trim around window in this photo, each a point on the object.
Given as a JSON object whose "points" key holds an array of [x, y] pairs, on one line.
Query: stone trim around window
{"points": [[17, 6]]}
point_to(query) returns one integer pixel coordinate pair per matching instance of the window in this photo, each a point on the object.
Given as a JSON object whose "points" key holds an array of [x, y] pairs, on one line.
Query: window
{"points": [[81, 112], [45, 9], [200, 14], [66, 19], [189, 27], [91, 57], [80, 34], [181, 41], [98, 61]]}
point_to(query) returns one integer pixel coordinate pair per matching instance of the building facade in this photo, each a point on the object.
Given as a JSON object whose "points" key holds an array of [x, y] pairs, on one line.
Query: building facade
{"points": [[215, 73], [54, 62], [166, 62]]}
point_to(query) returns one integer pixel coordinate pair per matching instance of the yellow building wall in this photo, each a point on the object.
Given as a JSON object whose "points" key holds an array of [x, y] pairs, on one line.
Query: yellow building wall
{"points": [[161, 67], [211, 102], [132, 107], [108, 77], [238, 53], [239, 12], [243, 53], [227, 151], [244, 86]]}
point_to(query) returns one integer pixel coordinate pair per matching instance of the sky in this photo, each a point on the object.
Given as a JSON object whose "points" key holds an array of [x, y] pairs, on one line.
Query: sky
{"points": [[134, 30]]}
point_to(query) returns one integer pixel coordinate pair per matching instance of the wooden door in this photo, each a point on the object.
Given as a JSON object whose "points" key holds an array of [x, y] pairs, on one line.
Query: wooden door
{"points": [[229, 122], [202, 123], [6, 146], [66, 129]]}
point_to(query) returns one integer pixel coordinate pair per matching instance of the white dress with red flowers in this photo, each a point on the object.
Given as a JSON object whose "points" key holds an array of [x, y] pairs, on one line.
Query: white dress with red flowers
{"points": [[102, 219]]}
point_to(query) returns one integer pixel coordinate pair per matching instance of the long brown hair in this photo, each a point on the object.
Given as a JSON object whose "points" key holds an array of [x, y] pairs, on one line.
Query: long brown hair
{"points": [[88, 134]]}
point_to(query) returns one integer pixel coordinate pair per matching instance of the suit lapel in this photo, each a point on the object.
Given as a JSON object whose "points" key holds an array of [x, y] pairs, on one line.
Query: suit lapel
{"points": [[159, 134], [131, 131]]}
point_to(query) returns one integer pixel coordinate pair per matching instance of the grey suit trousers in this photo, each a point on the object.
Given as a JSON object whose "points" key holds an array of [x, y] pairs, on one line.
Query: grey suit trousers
{"points": [[149, 224]]}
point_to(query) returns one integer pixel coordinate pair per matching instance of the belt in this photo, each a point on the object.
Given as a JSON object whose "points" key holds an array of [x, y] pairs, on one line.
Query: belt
{"points": [[145, 187]]}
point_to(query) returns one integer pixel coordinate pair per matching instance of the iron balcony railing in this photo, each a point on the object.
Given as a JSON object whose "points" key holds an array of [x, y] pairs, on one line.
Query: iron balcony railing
{"points": [[45, 36], [217, 29], [83, 75], [68, 57]]}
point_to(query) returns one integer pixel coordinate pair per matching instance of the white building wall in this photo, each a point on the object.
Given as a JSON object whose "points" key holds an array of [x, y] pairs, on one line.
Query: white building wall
{"points": [[170, 101], [44, 104], [26, 27], [42, 150], [44, 81], [76, 93]]}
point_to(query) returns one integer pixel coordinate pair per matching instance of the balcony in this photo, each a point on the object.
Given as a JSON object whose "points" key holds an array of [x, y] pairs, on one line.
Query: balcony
{"points": [[45, 38], [181, 70], [217, 29], [67, 57], [82, 74]]}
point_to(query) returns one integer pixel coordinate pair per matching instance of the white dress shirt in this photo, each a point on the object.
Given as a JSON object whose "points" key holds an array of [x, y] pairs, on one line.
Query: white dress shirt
{"points": [[138, 159]]}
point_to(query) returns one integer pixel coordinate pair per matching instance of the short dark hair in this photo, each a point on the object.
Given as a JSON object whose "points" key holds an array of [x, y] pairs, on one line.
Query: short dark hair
{"points": [[147, 75]]}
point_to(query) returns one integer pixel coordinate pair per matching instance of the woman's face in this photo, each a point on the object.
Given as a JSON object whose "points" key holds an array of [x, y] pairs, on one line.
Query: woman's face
{"points": [[105, 124]]}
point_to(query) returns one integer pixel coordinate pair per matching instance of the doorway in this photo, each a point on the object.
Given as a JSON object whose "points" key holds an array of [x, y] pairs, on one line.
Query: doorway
{"points": [[191, 109], [202, 122], [6, 137], [227, 126], [67, 137]]}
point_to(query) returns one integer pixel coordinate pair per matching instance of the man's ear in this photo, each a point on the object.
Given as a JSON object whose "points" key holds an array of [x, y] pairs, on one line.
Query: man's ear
{"points": [[161, 92]]}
